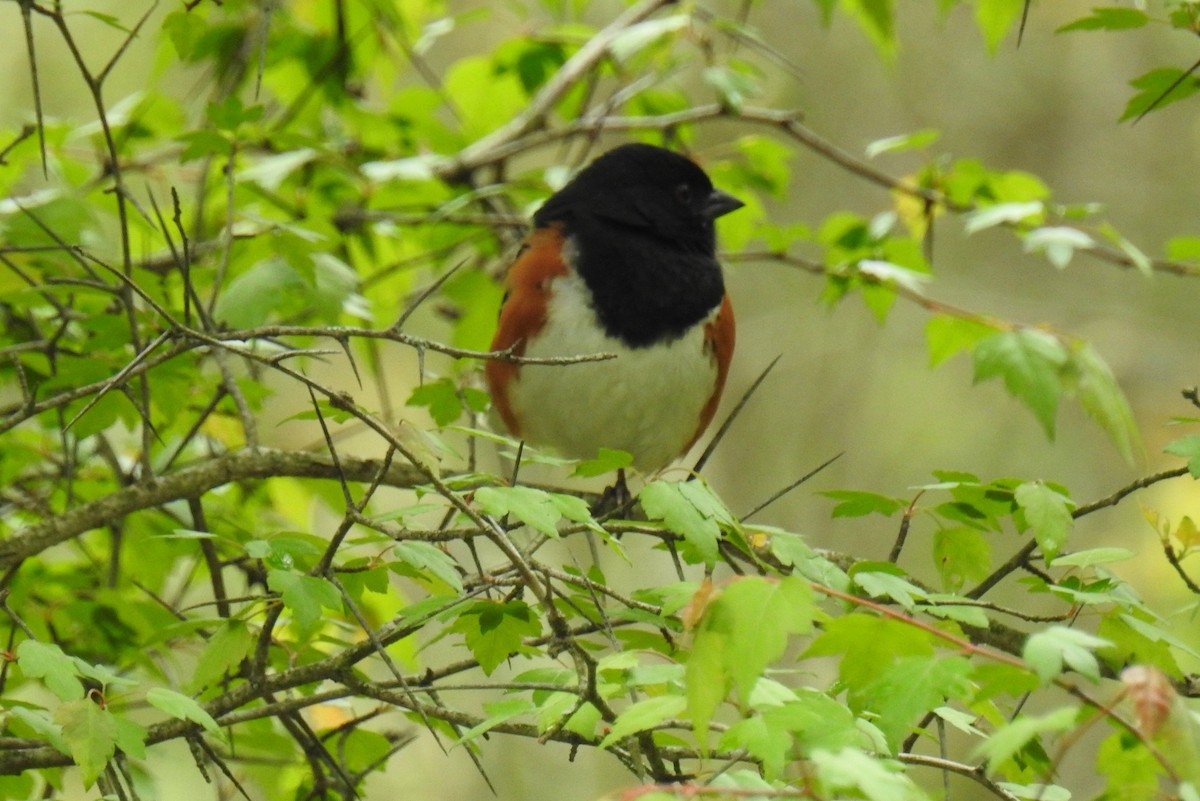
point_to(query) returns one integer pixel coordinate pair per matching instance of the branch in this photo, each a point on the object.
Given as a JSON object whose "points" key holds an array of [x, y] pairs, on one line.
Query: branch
{"points": [[191, 482]]}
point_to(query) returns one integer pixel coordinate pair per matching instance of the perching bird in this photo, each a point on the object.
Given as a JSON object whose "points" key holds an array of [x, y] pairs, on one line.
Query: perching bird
{"points": [[621, 260]]}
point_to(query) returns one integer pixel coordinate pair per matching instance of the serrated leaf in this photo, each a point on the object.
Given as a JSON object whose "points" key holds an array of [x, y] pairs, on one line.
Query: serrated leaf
{"points": [[425, 557], [733, 87], [1158, 89], [440, 398], [639, 36], [1093, 556], [607, 460], [886, 584], [1058, 242], [876, 18], [1108, 19], [643, 715], [228, 646], [270, 172], [1031, 364], [687, 511], [853, 503], [304, 596], [1012, 737], [946, 336], [91, 733], [1048, 513], [47, 662], [1037, 792], [1052, 650], [531, 506], [867, 645], [875, 780], [909, 141], [1136, 255], [911, 686], [495, 631], [497, 712], [182, 707], [996, 18], [961, 554], [1001, 214], [1189, 448], [744, 628], [1103, 400]]}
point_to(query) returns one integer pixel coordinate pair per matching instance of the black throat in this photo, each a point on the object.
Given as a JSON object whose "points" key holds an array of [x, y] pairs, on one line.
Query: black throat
{"points": [[645, 290]]}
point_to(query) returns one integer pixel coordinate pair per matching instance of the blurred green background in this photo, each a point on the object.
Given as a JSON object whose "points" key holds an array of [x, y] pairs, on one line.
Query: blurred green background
{"points": [[845, 383]]}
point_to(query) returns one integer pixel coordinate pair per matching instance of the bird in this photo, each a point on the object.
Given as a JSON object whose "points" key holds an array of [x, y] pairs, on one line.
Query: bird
{"points": [[621, 260]]}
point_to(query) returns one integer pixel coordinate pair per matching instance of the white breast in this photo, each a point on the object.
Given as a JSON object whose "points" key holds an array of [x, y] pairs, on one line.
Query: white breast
{"points": [[647, 401]]}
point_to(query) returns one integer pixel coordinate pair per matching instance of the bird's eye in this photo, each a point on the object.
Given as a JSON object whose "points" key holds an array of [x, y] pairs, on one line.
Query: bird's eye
{"points": [[683, 193]]}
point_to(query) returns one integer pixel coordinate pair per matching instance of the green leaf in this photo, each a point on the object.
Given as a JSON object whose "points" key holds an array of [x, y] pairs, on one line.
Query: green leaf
{"points": [[534, 507], [47, 662], [689, 509], [271, 171], [744, 628], [761, 737], [853, 770], [304, 596], [1050, 650], [638, 37], [607, 461], [914, 140], [1014, 736], [885, 580], [440, 398], [425, 557], [817, 721], [228, 646], [1183, 248], [255, 296], [230, 113], [1093, 556], [1153, 91], [498, 712], [706, 680], [1108, 19], [876, 18], [961, 554], [485, 97], [1136, 255], [911, 686], [1031, 363], [91, 733], [1189, 448], [733, 87], [1048, 513], [1037, 792], [203, 144], [1002, 214], [853, 503], [946, 336], [995, 18], [791, 549], [180, 706], [758, 615], [867, 645], [1058, 242], [495, 631], [643, 715], [1104, 401], [131, 737]]}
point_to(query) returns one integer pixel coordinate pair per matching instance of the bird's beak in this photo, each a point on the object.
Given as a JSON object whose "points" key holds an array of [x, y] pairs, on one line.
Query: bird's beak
{"points": [[720, 203]]}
